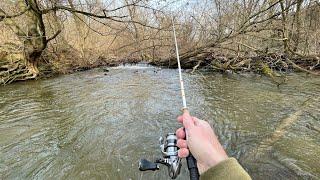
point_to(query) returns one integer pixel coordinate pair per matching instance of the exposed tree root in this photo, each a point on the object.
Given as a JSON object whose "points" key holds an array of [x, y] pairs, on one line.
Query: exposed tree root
{"points": [[19, 74], [13, 67]]}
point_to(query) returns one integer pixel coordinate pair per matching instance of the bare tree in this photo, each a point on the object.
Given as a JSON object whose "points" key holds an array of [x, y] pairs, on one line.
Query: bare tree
{"points": [[33, 34]]}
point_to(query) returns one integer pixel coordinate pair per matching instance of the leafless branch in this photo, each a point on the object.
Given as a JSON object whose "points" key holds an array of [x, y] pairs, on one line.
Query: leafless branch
{"points": [[104, 16], [54, 36], [5, 15]]}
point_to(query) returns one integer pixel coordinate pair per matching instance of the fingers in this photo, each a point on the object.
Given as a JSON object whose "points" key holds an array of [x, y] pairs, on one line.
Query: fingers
{"points": [[180, 119], [187, 120], [181, 143], [196, 121], [183, 153], [181, 134], [188, 123]]}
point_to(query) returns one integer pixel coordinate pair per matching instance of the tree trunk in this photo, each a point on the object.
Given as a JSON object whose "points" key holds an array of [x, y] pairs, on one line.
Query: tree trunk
{"points": [[35, 41], [79, 21], [298, 25], [33, 37], [284, 28]]}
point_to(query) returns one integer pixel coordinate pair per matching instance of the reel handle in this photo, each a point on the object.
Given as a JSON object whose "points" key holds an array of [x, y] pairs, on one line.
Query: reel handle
{"points": [[145, 165]]}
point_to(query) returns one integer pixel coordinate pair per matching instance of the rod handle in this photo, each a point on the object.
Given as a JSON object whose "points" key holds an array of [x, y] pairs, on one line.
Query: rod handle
{"points": [[191, 161], [193, 168]]}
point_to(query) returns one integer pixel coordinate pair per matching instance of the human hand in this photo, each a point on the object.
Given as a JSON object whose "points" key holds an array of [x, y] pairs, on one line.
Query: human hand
{"points": [[201, 141]]}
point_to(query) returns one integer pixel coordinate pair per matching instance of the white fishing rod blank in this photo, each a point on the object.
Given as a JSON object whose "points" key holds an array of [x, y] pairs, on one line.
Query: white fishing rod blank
{"points": [[184, 102]]}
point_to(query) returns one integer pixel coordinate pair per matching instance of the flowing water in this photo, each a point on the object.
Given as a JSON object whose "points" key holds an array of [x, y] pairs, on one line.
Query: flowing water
{"points": [[97, 125]]}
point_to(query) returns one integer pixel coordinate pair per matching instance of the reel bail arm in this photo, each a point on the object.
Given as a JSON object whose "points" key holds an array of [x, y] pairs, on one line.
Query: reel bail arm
{"points": [[169, 150]]}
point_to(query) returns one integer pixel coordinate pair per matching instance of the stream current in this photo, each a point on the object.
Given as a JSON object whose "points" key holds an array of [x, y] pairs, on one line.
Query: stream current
{"points": [[97, 125]]}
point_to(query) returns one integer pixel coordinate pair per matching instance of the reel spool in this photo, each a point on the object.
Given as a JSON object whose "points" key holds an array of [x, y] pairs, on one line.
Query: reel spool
{"points": [[169, 150]]}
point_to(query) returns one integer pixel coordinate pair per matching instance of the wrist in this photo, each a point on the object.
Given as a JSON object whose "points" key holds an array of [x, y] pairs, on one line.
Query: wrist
{"points": [[214, 159]]}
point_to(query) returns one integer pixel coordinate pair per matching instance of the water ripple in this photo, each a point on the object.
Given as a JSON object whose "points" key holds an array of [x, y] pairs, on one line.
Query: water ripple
{"points": [[90, 125]]}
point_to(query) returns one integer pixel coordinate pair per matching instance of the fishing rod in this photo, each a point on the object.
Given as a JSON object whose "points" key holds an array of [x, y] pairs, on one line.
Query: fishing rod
{"points": [[168, 145], [191, 161]]}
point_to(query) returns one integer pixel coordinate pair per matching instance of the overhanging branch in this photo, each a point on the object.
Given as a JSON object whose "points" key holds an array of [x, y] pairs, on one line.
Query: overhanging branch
{"points": [[92, 15], [5, 15], [54, 36]]}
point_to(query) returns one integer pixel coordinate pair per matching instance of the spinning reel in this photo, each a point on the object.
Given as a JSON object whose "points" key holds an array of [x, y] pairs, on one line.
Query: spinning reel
{"points": [[168, 145], [169, 150]]}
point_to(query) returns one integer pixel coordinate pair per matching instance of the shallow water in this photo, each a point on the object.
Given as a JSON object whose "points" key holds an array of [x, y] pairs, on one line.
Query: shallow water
{"points": [[93, 125]]}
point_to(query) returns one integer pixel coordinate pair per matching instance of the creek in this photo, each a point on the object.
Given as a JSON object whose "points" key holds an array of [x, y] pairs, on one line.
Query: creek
{"points": [[97, 125]]}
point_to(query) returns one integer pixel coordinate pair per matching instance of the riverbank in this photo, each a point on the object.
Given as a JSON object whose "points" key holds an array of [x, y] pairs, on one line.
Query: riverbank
{"points": [[273, 65]]}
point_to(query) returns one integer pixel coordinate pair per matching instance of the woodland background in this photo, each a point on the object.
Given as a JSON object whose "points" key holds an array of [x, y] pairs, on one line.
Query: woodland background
{"points": [[45, 37]]}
